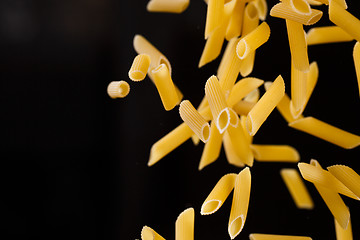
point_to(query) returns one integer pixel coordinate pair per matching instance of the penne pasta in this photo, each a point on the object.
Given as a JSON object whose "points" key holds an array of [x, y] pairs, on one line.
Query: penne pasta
{"points": [[356, 56], [217, 103], [343, 234], [219, 194], [324, 178], [243, 107], [242, 88], [261, 6], [230, 152], [184, 225], [275, 153], [149, 234], [240, 203], [265, 106], [348, 177], [139, 67], [173, 6], [297, 188], [326, 132], [212, 147], [253, 96], [118, 89], [165, 87], [236, 20], [312, 78], [260, 236], [214, 16], [342, 18], [330, 34], [298, 91], [226, 57], [299, 6], [253, 40]]}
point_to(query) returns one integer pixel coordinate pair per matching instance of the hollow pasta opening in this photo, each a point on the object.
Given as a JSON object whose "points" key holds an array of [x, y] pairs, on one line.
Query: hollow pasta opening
{"points": [[301, 6], [210, 207], [205, 132], [251, 11], [137, 75], [236, 227], [241, 49], [223, 120], [234, 119]]}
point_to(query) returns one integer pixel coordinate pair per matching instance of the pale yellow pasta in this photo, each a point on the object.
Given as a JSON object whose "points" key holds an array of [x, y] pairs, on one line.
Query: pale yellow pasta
{"points": [[118, 89], [265, 106], [299, 6], [236, 20], [343, 234], [342, 18], [261, 6], [139, 67], [184, 225], [275, 153], [283, 10], [226, 57], [212, 147], [148, 233], [218, 195], [326, 132], [217, 102], [194, 120], [165, 87], [253, 40], [169, 142], [249, 138], [342, 3], [324, 178], [260, 236], [333, 201], [356, 56], [240, 144], [230, 152], [297, 188], [243, 107], [347, 176], [203, 104], [298, 91], [240, 203], [242, 88], [253, 96], [298, 47], [234, 118], [329, 34], [173, 6], [214, 16]]}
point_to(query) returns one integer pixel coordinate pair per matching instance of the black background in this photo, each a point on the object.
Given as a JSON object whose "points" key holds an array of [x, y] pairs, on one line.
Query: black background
{"points": [[73, 161]]}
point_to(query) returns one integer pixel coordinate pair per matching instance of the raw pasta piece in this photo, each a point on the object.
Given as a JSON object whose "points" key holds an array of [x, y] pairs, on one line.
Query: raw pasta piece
{"points": [[173, 6], [169, 142], [298, 47], [298, 91], [348, 177], [118, 89], [149, 234], [225, 58], [212, 147], [342, 18], [330, 34], [217, 103], [356, 56], [165, 87], [243, 88], [314, 2], [260, 236], [312, 78], [184, 225], [297, 188], [236, 20], [265, 106], [275, 153], [342, 3], [243, 107], [219, 194], [249, 138], [253, 40], [324, 178], [214, 16], [300, 6], [343, 234], [253, 96], [230, 152], [240, 203], [262, 8], [139, 67], [326, 132], [283, 10]]}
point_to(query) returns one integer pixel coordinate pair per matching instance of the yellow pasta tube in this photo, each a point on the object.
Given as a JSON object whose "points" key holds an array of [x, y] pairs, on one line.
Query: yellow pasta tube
{"points": [[148, 233], [312, 78], [169, 142], [226, 57], [165, 87], [236, 20], [194, 120], [260, 236], [300, 6], [253, 40], [173, 6], [214, 16], [218, 195], [330, 34], [342, 18], [212, 147], [283, 10], [298, 47], [265, 106], [356, 56], [297, 188], [203, 104], [326, 132], [261, 6], [343, 234], [324, 178], [253, 96], [230, 152], [139, 67], [348, 177], [240, 203], [217, 103], [342, 3], [118, 89], [249, 138], [275, 153], [243, 107], [298, 91], [243, 88], [333, 201], [184, 225]]}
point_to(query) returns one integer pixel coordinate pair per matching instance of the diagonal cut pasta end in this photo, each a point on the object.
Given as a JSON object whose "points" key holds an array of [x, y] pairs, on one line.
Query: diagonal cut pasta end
{"points": [[236, 226], [210, 207]]}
